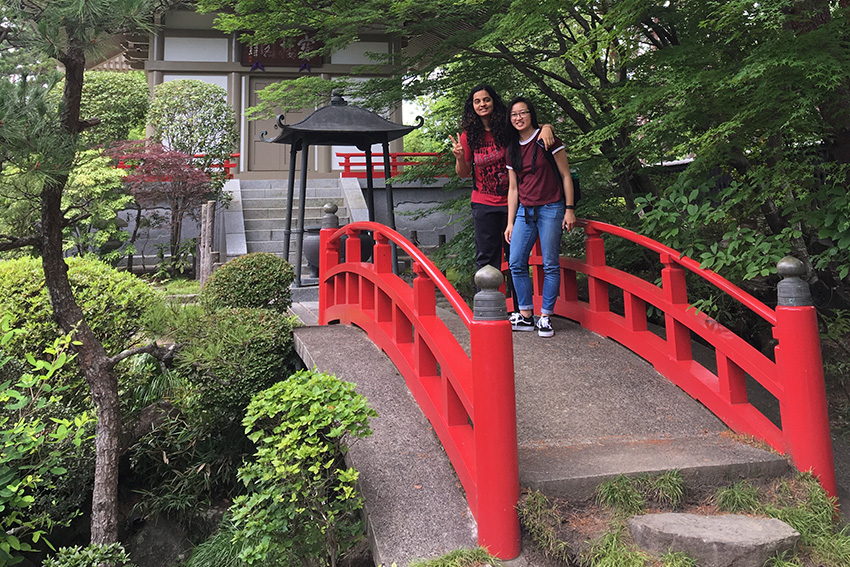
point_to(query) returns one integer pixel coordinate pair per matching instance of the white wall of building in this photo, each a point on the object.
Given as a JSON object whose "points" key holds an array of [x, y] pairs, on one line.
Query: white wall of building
{"points": [[220, 80], [196, 49]]}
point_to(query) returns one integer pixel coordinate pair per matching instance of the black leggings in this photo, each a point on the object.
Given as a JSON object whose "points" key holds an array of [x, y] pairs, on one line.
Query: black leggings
{"points": [[489, 223]]}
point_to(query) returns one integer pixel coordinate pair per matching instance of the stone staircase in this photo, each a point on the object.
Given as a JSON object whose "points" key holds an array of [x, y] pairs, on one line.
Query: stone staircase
{"points": [[264, 211]]}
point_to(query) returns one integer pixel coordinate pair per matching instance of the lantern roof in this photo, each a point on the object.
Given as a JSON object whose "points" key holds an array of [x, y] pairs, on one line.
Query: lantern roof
{"points": [[340, 124]]}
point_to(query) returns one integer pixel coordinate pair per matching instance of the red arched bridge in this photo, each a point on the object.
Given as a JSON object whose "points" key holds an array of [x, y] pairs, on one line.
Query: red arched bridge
{"points": [[470, 399]]}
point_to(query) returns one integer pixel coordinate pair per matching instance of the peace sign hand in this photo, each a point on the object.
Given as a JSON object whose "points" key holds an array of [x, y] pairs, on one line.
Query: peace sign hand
{"points": [[457, 147]]}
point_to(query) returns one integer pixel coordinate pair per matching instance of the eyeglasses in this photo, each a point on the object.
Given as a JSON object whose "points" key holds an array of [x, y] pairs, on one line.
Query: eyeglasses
{"points": [[519, 113]]}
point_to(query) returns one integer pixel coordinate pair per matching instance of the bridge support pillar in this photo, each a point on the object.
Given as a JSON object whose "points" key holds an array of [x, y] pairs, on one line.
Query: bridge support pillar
{"points": [[805, 419], [494, 400], [328, 258]]}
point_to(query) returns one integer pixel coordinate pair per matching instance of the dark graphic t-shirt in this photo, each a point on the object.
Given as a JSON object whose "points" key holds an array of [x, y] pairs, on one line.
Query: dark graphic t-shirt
{"points": [[491, 177], [544, 186]]}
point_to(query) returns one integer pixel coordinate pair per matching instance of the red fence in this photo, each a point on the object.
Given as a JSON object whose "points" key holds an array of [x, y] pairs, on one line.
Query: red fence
{"points": [[354, 164], [469, 399], [794, 378], [227, 166]]}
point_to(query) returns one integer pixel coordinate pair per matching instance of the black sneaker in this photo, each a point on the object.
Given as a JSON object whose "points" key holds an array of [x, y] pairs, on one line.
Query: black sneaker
{"points": [[544, 329], [522, 323]]}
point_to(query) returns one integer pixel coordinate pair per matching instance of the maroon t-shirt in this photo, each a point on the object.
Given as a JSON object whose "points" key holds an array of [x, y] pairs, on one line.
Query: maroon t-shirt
{"points": [[544, 186], [491, 177]]}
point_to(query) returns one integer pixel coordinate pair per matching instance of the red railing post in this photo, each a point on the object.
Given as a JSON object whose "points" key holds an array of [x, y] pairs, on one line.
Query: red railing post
{"points": [[676, 292], [382, 254], [328, 258], [805, 419], [494, 421], [597, 290]]}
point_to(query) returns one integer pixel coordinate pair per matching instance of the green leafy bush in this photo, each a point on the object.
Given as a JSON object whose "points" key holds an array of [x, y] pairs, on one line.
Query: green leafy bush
{"points": [[113, 302], [112, 555], [231, 354], [34, 439], [302, 506], [259, 280]]}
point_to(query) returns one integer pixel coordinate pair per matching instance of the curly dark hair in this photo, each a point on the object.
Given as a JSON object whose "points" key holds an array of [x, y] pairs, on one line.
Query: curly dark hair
{"points": [[471, 122], [514, 153]]}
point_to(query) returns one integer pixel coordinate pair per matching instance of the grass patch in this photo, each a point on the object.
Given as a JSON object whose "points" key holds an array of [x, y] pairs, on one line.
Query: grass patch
{"points": [[621, 495], [595, 533], [459, 558], [181, 286]]}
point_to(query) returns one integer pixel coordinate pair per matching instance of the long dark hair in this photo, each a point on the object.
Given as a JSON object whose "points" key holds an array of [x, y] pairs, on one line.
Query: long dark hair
{"points": [[471, 122], [514, 153]]}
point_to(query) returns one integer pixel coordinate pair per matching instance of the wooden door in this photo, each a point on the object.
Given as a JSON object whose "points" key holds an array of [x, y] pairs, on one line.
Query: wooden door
{"points": [[263, 156]]}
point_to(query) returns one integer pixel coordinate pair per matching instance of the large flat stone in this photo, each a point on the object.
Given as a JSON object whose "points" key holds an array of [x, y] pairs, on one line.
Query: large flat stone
{"points": [[714, 541]]}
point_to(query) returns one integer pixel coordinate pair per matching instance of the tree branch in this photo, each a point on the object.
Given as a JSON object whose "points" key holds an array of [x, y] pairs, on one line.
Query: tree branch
{"points": [[164, 354], [83, 124], [14, 243], [149, 418]]}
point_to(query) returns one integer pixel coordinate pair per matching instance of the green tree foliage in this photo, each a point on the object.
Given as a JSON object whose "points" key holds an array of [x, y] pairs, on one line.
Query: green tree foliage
{"points": [[193, 117], [66, 33], [119, 100], [752, 92], [33, 441], [302, 505], [96, 192]]}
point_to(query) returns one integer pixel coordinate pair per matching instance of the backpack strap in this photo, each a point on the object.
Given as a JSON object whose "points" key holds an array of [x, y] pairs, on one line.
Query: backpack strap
{"points": [[550, 157]]}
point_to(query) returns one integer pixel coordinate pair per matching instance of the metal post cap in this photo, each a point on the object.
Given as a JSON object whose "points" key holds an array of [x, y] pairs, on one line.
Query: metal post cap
{"points": [[330, 220], [489, 277], [489, 303], [792, 291], [790, 266]]}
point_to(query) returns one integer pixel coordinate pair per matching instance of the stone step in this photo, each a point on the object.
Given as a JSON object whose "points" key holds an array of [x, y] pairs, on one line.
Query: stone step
{"points": [[574, 471], [283, 184], [312, 213], [272, 193], [317, 209], [278, 235], [279, 202], [714, 541]]}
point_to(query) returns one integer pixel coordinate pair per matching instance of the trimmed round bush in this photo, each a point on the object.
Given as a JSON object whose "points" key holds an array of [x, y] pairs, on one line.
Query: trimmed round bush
{"points": [[256, 280], [231, 354], [113, 303]]}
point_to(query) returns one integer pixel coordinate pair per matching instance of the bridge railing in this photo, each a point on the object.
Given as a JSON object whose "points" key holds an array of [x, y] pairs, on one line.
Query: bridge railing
{"points": [[794, 375], [468, 398]]}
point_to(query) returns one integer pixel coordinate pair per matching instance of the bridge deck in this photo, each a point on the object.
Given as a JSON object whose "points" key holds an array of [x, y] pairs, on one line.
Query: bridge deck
{"points": [[587, 409]]}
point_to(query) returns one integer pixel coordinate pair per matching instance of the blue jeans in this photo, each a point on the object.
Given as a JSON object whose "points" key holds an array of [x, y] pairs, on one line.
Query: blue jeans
{"points": [[544, 221]]}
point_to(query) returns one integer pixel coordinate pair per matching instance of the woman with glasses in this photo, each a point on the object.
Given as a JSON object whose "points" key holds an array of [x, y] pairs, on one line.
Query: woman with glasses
{"points": [[480, 151], [541, 203]]}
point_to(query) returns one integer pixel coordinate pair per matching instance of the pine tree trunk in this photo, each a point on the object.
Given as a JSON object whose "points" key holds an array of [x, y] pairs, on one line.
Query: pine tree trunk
{"points": [[91, 355]]}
